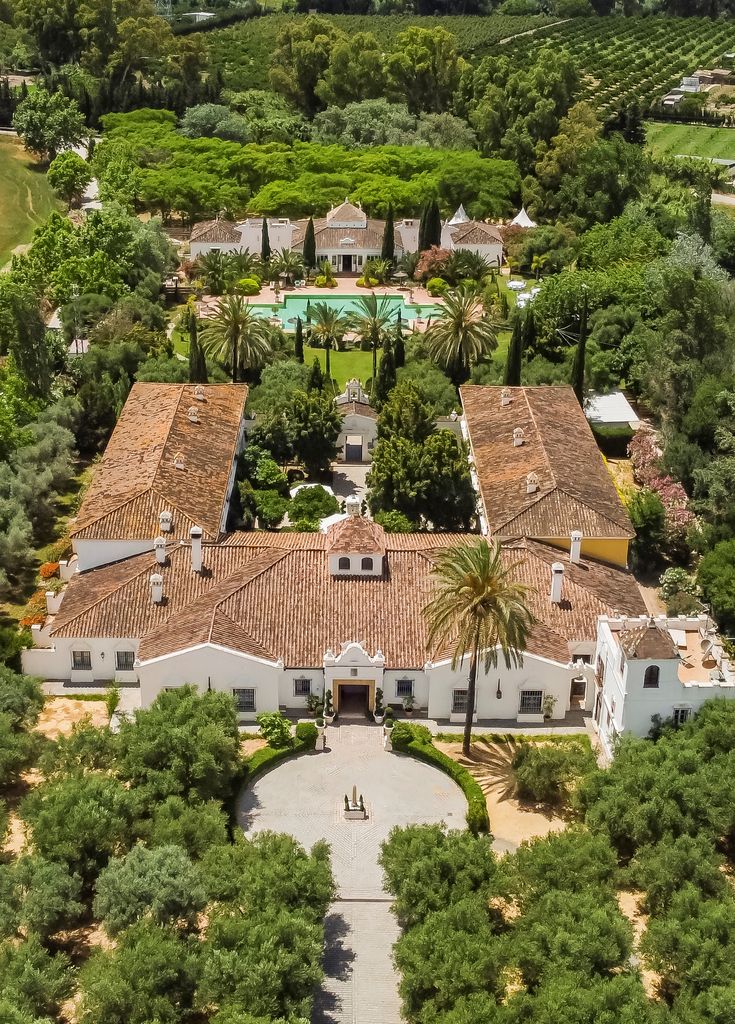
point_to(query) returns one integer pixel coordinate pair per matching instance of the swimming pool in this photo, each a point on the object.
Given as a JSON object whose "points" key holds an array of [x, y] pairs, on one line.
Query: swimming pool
{"points": [[293, 306]]}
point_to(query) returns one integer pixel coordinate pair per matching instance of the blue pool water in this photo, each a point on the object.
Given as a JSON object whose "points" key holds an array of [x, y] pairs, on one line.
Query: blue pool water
{"points": [[295, 305]]}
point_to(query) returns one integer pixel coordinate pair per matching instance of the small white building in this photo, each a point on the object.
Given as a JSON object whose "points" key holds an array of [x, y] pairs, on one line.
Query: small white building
{"points": [[359, 424], [648, 668]]}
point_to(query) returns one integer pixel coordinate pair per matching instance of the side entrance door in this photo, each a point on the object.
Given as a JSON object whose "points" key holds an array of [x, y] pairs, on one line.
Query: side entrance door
{"points": [[353, 448]]}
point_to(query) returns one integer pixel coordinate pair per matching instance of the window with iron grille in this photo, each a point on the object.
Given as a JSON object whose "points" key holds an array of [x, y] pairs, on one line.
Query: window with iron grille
{"points": [[531, 702], [459, 702], [244, 698], [301, 687], [681, 715], [124, 661], [404, 687], [81, 661]]}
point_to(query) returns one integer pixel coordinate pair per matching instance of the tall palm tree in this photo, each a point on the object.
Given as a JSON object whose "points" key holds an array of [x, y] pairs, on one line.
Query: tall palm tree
{"points": [[327, 326], [237, 334], [371, 320], [287, 262], [460, 334], [478, 609]]}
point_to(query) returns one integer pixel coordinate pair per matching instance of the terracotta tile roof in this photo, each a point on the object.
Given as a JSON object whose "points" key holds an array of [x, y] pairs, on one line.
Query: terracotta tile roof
{"points": [[648, 642], [366, 235], [356, 535], [474, 232], [137, 478], [575, 490], [347, 211], [357, 409], [215, 231], [272, 596]]}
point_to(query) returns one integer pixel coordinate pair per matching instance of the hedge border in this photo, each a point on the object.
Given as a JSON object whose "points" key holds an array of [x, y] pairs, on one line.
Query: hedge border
{"points": [[477, 817], [268, 757]]}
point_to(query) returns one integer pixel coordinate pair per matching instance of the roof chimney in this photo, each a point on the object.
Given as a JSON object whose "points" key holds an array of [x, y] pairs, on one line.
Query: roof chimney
{"points": [[178, 461], [517, 437], [532, 483], [575, 547], [165, 519], [195, 535], [352, 506], [505, 397], [557, 580], [159, 546], [156, 582], [193, 414], [199, 393]]}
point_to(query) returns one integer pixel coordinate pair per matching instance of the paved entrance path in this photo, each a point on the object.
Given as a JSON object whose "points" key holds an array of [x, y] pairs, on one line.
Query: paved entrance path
{"points": [[305, 798]]}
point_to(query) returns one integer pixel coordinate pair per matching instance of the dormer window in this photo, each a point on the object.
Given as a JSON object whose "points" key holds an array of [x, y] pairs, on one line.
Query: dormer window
{"points": [[367, 565], [344, 564]]}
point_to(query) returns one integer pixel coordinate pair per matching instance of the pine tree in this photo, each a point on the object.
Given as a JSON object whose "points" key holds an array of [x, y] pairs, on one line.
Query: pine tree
{"points": [[512, 377], [579, 355], [386, 379], [316, 377], [298, 343], [309, 245], [634, 130], [388, 250], [399, 348], [265, 243], [197, 362]]}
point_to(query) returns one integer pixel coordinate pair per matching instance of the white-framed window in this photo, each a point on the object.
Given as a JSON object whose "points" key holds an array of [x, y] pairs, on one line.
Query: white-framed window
{"points": [[359, 260], [459, 702], [335, 261], [124, 661], [681, 715], [344, 564], [404, 687], [81, 661], [367, 565], [531, 702], [301, 687], [244, 698]]}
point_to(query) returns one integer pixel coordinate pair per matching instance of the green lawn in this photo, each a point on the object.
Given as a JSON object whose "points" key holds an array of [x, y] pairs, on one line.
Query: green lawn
{"points": [[352, 363], [691, 140], [26, 198]]}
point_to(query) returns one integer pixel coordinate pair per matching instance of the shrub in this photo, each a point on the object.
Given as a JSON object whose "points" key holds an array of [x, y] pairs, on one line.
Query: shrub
{"points": [[394, 522], [322, 282], [275, 728], [547, 771], [271, 508], [367, 282], [248, 286], [267, 757], [613, 440], [268, 477], [416, 740], [48, 569], [436, 286], [312, 504]]}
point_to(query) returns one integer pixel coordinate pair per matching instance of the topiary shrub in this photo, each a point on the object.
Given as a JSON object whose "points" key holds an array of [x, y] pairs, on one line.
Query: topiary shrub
{"points": [[248, 286], [436, 286], [367, 282]]}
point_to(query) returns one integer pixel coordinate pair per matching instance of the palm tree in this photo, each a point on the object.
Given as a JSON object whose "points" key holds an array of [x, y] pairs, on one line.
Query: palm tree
{"points": [[288, 263], [460, 334], [371, 320], [216, 269], [480, 610], [466, 264], [244, 264], [538, 263], [237, 334], [327, 326]]}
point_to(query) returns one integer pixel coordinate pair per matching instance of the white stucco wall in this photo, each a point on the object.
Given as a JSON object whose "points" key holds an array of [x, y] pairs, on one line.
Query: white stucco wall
{"points": [[364, 426], [55, 661]]}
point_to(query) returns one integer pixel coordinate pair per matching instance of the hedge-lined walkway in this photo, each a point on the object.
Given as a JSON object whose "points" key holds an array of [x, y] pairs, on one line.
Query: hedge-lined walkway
{"points": [[304, 797]]}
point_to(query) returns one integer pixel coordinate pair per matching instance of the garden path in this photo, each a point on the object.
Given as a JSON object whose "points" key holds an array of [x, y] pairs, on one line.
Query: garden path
{"points": [[305, 798]]}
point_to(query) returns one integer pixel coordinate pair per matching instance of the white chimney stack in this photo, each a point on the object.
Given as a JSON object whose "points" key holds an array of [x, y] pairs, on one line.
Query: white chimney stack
{"points": [[156, 582], [518, 437], [165, 519], [505, 398], [159, 546], [352, 506], [195, 534], [532, 483], [575, 547], [557, 581]]}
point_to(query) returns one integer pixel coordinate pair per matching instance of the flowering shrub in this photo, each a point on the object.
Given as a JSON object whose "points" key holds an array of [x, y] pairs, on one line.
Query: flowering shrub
{"points": [[37, 619], [645, 456], [48, 569], [431, 263]]}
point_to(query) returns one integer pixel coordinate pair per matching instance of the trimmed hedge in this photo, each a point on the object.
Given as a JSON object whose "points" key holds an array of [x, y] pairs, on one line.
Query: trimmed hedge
{"points": [[267, 757], [613, 440], [416, 740]]}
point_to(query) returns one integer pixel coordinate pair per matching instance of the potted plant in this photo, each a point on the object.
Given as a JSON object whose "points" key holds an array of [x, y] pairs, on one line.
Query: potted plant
{"points": [[388, 720], [408, 705], [312, 703], [378, 710], [320, 726], [548, 705], [328, 708]]}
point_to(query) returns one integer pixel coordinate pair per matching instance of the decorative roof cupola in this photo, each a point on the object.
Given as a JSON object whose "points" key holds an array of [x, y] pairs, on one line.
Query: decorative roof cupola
{"points": [[356, 545]]}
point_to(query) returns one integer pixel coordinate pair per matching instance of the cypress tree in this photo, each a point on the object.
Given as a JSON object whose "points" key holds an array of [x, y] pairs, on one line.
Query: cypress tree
{"points": [[423, 244], [309, 245], [529, 330], [386, 379], [579, 355], [399, 348], [298, 343], [197, 362], [512, 377], [434, 225], [265, 243], [316, 377], [388, 250]]}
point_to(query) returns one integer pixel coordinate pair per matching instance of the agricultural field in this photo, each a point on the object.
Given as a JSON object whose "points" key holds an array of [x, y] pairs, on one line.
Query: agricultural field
{"points": [[26, 198], [243, 51], [691, 140], [622, 59]]}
